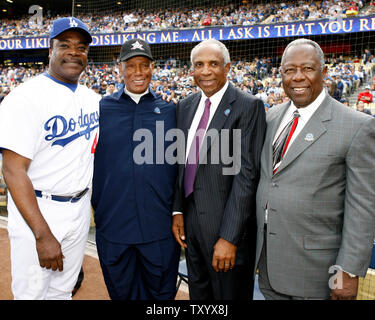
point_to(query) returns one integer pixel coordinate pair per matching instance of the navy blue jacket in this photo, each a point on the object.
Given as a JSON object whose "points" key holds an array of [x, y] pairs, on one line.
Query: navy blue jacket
{"points": [[133, 202]]}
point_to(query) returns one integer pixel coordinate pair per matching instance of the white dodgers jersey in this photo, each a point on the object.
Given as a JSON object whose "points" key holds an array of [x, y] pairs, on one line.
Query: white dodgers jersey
{"points": [[56, 128]]}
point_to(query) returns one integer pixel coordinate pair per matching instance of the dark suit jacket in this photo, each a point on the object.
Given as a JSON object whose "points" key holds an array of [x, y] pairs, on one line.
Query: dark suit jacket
{"points": [[225, 203]]}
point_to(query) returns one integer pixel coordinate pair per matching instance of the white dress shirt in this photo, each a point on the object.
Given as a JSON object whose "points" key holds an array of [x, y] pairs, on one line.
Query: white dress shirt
{"points": [[215, 101], [305, 115]]}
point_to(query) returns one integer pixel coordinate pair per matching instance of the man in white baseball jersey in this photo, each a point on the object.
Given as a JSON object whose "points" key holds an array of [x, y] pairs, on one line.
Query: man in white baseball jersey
{"points": [[48, 135]]}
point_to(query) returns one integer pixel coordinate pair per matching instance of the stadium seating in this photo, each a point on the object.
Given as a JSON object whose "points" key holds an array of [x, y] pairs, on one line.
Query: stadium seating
{"points": [[228, 15]]}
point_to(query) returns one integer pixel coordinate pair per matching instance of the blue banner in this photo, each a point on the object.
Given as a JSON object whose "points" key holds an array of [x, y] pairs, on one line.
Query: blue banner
{"points": [[294, 29]]}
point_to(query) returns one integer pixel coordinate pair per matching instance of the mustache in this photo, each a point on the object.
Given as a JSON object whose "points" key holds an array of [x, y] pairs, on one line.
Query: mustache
{"points": [[79, 61]]}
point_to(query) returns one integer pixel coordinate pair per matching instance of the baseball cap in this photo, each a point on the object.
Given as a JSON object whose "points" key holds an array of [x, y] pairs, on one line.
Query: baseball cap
{"points": [[69, 23], [133, 48], [367, 87]]}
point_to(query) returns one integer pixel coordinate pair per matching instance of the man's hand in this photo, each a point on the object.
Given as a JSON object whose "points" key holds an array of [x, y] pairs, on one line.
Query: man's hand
{"points": [[178, 229], [349, 287], [49, 252], [224, 256]]}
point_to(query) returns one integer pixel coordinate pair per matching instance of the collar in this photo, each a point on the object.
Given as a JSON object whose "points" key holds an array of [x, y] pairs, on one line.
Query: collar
{"points": [[308, 111], [117, 95], [216, 98], [71, 86], [136, 97]]}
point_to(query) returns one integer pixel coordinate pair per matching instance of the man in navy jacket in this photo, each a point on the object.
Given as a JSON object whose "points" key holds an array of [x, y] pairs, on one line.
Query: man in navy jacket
{"points": [[133, 185]]}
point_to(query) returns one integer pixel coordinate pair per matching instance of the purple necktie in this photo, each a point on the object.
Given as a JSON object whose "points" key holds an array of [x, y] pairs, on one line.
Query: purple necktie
{"points": [[192, 160]]}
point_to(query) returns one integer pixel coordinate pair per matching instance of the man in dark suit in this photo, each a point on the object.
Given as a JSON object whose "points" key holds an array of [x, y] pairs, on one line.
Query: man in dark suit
{"points": [[316, 198], [216, 197]]}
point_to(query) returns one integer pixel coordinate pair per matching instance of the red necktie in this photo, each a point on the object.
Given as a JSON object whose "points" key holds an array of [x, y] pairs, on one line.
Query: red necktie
{"points": [[281, 144]]}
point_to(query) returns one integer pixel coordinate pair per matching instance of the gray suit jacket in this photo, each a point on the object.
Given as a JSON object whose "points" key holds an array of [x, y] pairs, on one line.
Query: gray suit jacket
{"points": [[321, 201]]}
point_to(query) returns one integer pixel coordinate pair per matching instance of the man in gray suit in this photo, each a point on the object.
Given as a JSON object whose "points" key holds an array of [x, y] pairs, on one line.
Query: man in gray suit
{"points": [[217, 206], [316, 195]]}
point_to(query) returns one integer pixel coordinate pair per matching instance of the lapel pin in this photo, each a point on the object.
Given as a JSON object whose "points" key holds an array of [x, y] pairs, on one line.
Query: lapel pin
{"points": [[309, 137], [227, 112], [157, 110]]}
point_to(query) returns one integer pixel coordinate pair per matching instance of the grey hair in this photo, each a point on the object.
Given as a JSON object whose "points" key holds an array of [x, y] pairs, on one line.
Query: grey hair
{"points": [[219, 44], [303, 41]]}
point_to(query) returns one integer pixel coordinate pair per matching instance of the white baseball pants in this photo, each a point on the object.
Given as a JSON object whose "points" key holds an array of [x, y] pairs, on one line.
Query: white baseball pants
{"points": [[69, 223]]}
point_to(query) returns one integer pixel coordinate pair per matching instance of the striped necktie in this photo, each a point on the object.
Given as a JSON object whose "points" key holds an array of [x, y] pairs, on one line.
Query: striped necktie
{"points": [[281, 144]]}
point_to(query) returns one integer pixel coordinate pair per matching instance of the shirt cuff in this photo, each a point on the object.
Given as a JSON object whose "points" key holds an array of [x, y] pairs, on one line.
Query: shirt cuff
{"points": [[176, 212], [337, 267]]}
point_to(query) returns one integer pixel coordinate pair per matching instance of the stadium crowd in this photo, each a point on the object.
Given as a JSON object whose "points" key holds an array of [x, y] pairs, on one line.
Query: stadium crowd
{"points": [[259, 77], [228, 15]]}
